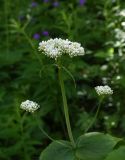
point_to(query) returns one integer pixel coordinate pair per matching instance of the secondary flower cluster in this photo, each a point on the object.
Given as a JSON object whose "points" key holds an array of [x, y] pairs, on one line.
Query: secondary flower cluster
{"points": [[103, 90], [55, 48], [29, 106]]}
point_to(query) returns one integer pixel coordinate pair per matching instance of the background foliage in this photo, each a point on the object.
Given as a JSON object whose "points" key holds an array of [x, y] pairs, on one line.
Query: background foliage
{"points": [[99, 26]]}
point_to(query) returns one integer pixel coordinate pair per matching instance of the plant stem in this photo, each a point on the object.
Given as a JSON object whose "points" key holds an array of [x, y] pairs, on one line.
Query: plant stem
{"points": [[42, 130], [66, 112], [6, 10], [32, 45], [20, 122], [95, 117]]}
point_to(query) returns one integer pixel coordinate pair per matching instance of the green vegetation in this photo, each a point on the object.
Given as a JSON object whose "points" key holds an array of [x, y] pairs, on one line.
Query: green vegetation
{"points": [[26, 73]]}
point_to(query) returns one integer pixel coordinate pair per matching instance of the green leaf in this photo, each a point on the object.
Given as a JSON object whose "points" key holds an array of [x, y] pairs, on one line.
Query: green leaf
{"points": [[58, 150], [118, 154], [11, 57], [95, 146], [109, 53]]}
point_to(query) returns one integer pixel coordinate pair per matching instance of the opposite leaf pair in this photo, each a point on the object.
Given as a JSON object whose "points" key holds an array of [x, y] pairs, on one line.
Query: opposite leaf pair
{"points": [[91, 146]]}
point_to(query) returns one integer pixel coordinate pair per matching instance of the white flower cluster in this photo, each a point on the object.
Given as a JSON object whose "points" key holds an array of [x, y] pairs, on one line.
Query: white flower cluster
{"points": [[29, 106], [120, 35], [103, 90], [55, 48]]}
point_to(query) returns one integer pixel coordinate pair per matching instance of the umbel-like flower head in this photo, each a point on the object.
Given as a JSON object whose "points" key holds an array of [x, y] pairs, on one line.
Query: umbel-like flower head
{"points": [[29, 106], [103, 90], [55, 48]]}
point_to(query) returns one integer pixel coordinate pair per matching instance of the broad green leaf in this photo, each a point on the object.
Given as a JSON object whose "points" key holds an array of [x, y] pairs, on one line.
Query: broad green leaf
{"points": [[118, 154], [95, 146], [58, 150]]}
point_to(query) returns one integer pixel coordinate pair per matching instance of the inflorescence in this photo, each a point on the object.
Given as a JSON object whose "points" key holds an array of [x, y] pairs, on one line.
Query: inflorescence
{"points": [[29, 106], [55, 48], [103, 90]]}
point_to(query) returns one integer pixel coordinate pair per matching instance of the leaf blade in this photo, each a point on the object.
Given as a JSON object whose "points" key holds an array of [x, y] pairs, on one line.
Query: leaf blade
{"points": [[58, 150], [95, 146]]}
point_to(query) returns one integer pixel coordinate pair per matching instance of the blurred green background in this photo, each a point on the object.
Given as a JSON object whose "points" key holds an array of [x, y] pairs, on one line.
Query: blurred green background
{"points": [[99, 25]]}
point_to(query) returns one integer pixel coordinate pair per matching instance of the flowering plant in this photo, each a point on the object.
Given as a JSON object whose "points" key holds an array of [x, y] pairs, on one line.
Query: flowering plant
{"points": [[89, 146]]}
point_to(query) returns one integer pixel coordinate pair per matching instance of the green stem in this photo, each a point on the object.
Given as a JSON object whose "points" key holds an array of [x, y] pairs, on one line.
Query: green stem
{"points": [[96, 115], [32, 45], [66, 112], [20, 121], [42, 130], [6, 10]]}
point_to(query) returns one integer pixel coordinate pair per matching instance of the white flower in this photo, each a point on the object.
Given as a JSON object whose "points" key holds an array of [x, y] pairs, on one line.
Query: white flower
{"points": [[29, 106], [122, 13], [118, 77], [55, 48], [113, 123], [123, 24], [120, 35], [104, 67], [103, 90]]}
